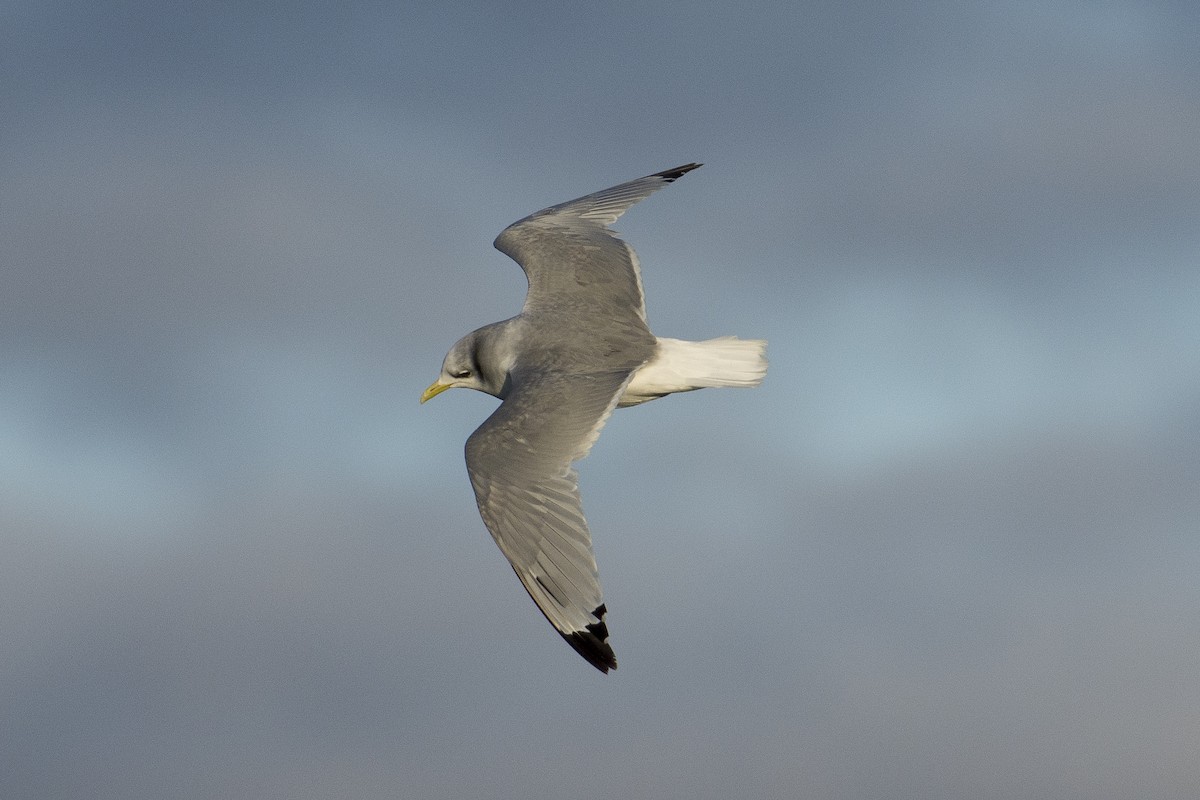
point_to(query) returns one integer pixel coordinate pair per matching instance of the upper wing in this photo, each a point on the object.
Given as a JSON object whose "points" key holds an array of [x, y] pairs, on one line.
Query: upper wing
{"points": [[571, 257], [519, 461]]}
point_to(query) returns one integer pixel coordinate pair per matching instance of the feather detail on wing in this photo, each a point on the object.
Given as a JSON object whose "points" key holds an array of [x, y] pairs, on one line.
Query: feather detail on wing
{"points": [[569, 253], [519, 461]]}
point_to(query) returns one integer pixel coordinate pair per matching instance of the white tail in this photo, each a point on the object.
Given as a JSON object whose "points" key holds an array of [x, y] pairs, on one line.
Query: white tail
{"points": [[681, 366]]}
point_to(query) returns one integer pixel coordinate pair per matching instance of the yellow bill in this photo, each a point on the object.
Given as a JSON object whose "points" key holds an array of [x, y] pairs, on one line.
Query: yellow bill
{"points": [[435, 388]]}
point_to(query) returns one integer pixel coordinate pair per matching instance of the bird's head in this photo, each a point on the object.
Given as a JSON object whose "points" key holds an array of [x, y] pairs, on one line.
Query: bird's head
{"points": [[469, 365]]}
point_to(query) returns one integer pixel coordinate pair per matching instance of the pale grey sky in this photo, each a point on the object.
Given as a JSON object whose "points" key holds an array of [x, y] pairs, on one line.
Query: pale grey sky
{"points": [[949, 549]]}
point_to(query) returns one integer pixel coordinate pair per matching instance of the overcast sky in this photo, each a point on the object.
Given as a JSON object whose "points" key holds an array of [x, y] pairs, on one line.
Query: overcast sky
{"points": [[949, 549]]}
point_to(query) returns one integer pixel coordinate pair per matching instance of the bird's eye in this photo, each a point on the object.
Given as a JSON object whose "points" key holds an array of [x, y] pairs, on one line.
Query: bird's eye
{"points": [[462, 373]]}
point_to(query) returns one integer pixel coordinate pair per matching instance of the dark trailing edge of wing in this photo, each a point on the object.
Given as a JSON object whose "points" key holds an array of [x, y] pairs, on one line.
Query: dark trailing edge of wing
{"points": [[670, 175], [592, 643]]}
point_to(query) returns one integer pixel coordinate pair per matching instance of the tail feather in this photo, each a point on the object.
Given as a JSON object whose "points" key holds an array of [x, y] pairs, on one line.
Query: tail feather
{"points": [[681, 366]]}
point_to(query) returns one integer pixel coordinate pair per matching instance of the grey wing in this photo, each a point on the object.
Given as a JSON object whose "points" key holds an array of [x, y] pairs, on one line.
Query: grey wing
{"points": [[519, 462], [572, 258]]}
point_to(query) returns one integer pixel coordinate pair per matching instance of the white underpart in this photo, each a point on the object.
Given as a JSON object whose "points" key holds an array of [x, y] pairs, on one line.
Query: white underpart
{"points": [[681, 366]]}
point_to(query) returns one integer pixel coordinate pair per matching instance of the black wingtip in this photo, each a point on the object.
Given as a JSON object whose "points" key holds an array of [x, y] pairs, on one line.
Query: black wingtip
{"points": [[669, 175], [592, 642], [597, 653]]}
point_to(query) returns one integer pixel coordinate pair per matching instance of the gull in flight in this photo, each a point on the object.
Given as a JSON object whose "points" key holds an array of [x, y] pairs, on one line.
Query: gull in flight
{"points": [[579, 348]]}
